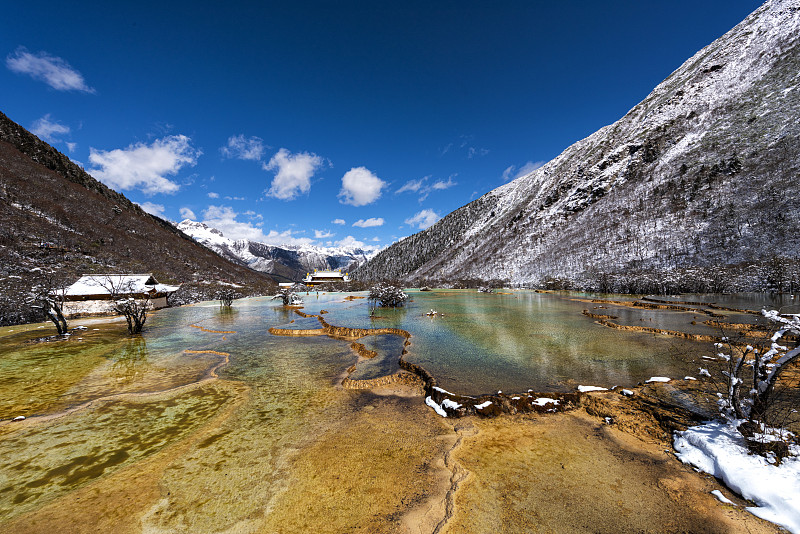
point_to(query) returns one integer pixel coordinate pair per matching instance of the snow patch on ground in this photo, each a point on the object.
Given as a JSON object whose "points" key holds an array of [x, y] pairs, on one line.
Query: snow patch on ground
{"points": [[718, 449], [447, 403], [585, 389], [436, 408], [483, 405], [657, 379], [722, 498], [541, 401]]}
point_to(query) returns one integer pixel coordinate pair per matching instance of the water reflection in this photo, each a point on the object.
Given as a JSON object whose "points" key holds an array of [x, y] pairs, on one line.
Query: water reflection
{"points": [[131, 361], [227, 315]]}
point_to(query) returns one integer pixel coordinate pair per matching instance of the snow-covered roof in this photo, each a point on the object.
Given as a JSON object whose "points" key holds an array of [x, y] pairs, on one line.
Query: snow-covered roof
{"points": [[121, 284], [326, 276]]}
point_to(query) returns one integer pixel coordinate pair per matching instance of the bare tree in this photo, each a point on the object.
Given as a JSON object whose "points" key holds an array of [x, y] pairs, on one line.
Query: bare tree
{"points": [[386, 295], [289, 297], [226, 297], [758, 404], [50, 299], [128, 300]]}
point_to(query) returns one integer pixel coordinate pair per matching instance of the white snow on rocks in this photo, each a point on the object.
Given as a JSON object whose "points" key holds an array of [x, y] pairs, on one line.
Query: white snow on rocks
{"points": [[453, 405], [657, 379], [436, 408], [585, 389]]}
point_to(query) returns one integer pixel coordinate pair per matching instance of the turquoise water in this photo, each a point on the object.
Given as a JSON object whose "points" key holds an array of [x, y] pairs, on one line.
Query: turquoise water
{"points": [[476, 343], [480, 343]]}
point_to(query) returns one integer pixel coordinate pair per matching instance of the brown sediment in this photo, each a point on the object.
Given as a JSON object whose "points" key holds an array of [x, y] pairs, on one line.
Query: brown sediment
{"points": [[401, 378], [651, 306], [458, 474], [352, 297], [379, 468], [707, 304], [206, 352], [732, 326], [296, 332], [694, 337], [572, 473], [587, 313], [749, 330], [651, 330], [654, 306], [204, 329], [741, 310], [362, 351], [684, 302]]}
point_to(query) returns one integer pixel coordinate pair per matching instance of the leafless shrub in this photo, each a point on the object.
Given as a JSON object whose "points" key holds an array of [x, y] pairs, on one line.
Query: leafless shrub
{"points": [[757, 386]]}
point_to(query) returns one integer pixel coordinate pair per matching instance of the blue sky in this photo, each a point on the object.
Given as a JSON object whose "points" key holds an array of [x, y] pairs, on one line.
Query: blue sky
{"points": [[332, 122]]}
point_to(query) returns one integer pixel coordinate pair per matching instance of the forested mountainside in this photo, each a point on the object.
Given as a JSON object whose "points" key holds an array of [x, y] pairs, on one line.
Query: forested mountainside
{"points": [[284, 263], [57, 222], [695, 188]]}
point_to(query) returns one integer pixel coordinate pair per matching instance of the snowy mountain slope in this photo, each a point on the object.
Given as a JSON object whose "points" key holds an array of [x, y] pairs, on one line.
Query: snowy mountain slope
{"points": [[702, 174], [287, 262]]}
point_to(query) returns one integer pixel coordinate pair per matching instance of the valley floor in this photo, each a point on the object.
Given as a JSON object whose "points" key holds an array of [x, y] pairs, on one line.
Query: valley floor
{"points": [[386, 463]]}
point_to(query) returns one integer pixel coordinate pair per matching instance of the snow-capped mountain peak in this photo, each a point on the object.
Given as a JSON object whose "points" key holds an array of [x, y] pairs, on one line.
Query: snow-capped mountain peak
{"points": [[283, 262]]}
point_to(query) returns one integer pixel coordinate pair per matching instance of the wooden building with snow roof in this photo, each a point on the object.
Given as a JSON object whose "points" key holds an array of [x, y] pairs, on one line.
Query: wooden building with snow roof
{"points": [[94, 294], [325, 277]]}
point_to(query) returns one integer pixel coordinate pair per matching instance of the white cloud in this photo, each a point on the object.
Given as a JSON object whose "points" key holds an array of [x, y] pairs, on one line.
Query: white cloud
{"points": [[512, 173], [71, 146], [223, 218], [352, 242], [51, 70], [421, 186], [253, 215], [360, 187], [338, 221], [49, 130], [412, 185], [424, 219], [241, 147], [186, 213], [441, 185], [144, 167], [294, 172], [369, 223], [153, 209], [212, 194], [322, 234]]}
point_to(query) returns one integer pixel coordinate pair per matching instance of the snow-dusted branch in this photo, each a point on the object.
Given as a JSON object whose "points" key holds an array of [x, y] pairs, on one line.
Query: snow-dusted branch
{"points": [[387, 296]]}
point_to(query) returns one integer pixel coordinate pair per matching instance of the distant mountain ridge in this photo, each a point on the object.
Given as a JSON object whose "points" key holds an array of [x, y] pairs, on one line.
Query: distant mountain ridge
{"points": [[695, 188], [282, 262]]}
